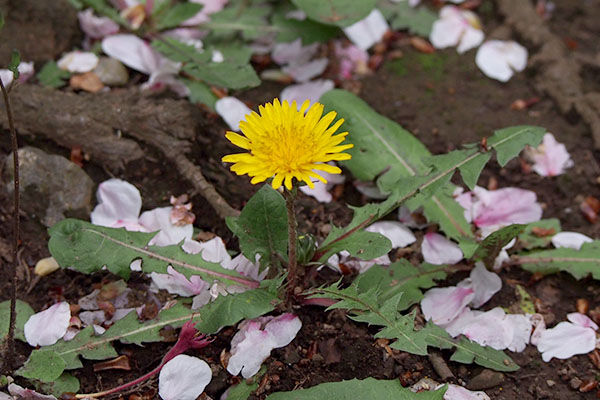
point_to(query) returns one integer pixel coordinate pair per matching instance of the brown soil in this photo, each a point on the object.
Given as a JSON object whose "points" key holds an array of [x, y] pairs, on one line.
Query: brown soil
{"points": [[445, 101]]}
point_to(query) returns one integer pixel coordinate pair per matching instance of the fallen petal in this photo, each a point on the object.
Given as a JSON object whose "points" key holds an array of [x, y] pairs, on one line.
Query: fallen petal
{"points": [[499, 59], [307, 91], [456, 392], [233, 111], [368, 31], [78, 61], [118, 201], [283, 329], [438, 250], [183, 378], [27, 394], [442, 305], [159, 219], [570, 240], [132, 51], [305, 72], [582, 320], [551, 158], [176, 283], [96, 27], [48, 326], [521, 331], [484, 284], [490, 328], [566, 340], [396, 232]]}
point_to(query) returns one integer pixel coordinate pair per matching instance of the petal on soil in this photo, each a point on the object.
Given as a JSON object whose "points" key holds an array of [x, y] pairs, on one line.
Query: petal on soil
{"points": [[456, 326], [160, 219], [117, 201], [352, 59], [521, 331], [46, 327], [78, 61], [213, 250], [499, 59], [246, 267], [582, 320], [456, 392], [566, 340], [293, 52], [96, 27], [368, 31], [438, 250], [307, 91], [28, 394], [551, 158], [570, 240], [183, 378], [232, 111], [443, 305], [176, 283], [396, 232], [305, 72], [132, 51], [484, 284], [490, 328], [456, 27], [252, 344]]}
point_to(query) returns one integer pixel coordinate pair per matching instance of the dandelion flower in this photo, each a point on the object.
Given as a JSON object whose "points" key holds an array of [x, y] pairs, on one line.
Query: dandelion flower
{"points": [[286, 143]]}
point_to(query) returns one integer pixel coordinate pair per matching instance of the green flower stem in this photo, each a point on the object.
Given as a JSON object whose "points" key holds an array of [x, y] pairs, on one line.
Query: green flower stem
{"points": [[289, 196]]}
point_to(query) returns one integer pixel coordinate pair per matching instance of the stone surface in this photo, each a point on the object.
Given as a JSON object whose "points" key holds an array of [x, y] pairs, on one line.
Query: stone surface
{"points": [[111, 72], [52, 187], [486, 379]]}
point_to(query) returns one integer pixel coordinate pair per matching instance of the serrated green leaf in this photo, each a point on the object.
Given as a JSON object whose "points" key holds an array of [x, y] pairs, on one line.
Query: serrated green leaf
{"points": [[24, 311], [223, 74], [471, 170], [400, 277], [224, 311], [364, 245], [262, 226], [66, 383], [401, 15], [86, 248], [250, 22], [45, 365], [340, 13], [529, 240], [52, 76], [179, 51], [369, 388], [579, 263], [13, 66], [509, 142], [200, 93], [290, 29], [492, 245], [176, 14]]}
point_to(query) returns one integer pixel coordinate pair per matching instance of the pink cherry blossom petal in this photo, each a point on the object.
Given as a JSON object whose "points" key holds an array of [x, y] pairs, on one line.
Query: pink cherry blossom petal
{"points": [[456, 27], [551, 157], [499, 59], [209, 7], [566, 340], [456, 326], [132, 51], [455, 392], [570, 240], [176, 283], [293, 52], [490, 329], [484, 284], [233, 111], [521, 331], [396, 232], [305, 72], [368, 31], [582, 320], [96, 27], [47, 327], [443, 305], [159, 219], [118, 202], [213, 250], [284, 329], [26, 394], [312, 91], [438, 250], [78, 62], [183, 378]]}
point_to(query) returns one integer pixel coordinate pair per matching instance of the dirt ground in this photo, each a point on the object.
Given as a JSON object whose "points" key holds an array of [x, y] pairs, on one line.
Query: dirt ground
{"points": [[445, 101]]}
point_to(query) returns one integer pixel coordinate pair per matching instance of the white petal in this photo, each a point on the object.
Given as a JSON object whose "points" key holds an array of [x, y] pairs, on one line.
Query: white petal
{"points": [[570, 240], [27, 394], [497, 59], [160, 219], [117, 201], [490, 328], [293, 52], [551, 158], [306, 91], [471, 38], [521, 331], [456, 392], [368, 31], [582, 320], [213, 250], [370, 190], [443, 305], [484, 284], [438, 250], [46, 327], [283, 329], [246, 267], [176, 283], [566, 340], [305, 72], [396, 232], [232, 111], [78, 61], [132, 51], [183, 378], [456, 326], [96, 27], [446, 33]]}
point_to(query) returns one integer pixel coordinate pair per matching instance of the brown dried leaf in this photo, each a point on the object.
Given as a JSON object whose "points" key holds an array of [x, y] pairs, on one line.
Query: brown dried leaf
{"points": [[90, 82], [543, 232], [121, 362], [422, 45]]}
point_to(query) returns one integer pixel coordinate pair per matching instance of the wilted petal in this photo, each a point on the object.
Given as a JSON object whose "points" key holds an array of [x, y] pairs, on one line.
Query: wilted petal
{"points": [[456, 392], [159, 219], [306, 91], [499, 59], [368, 31], [551, 158], [96, 27], [438, 250], [176, 283], [46, 327], [27, 394], [132, 51], [484, 284], [118, 202], [566, 340], [582, 320], [78, 61], [490, 328], [233, 111], [570, 240], [442, 305], [183, 378], [396, 232]]}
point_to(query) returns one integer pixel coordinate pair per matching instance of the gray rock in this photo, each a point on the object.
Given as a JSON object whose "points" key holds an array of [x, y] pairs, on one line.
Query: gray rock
{"points": [[111, 72], [486, 379], [52, 187]]}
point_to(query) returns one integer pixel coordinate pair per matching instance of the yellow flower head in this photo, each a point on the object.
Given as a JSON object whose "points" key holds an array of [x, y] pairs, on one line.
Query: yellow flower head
{"points": [[286, 143]]}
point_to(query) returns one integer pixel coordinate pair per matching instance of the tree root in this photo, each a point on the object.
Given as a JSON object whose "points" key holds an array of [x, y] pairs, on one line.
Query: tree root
{"points": [[559, 72], [98, 123]]}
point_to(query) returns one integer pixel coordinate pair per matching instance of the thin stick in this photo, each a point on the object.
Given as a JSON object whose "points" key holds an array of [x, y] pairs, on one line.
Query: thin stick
{"points": [[10, 340], [292, 226]]}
